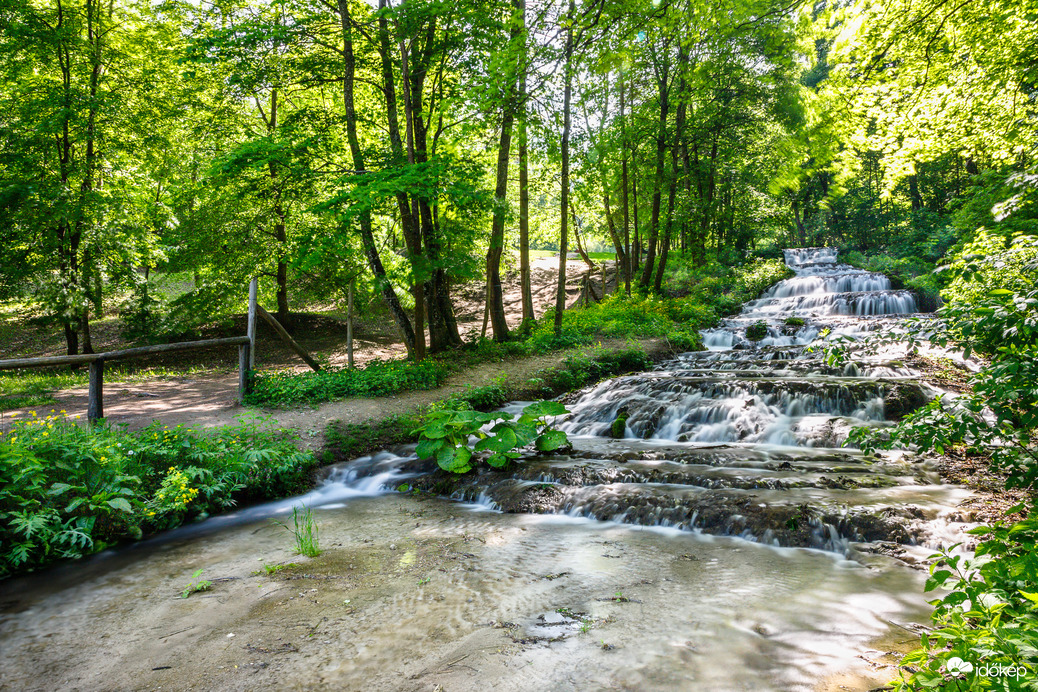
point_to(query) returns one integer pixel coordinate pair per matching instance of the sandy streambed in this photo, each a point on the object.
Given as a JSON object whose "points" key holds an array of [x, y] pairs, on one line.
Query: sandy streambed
{"points": [[415, 593]]}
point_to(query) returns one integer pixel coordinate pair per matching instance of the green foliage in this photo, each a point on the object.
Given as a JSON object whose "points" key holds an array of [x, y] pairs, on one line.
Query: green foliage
{"points": [[583, 369], [377, 378], [445, 434], [686, 341], [304, 531], [350, 440], [25, 388], [757, 331], [618, 428], [711, 290], [272, 569], [67, 491], [987, 617], [994, 311], [483, 398], [196, 585], [794, 322]]}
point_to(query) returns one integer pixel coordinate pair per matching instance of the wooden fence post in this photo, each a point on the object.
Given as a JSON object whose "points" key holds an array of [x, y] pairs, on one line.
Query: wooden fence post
{"points": [[349, 327], [244, 373], [300, 351], [250, 330], [247, 352], [95, 396]]}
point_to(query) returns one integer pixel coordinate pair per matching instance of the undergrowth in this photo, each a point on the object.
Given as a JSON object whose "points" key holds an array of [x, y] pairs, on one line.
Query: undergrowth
{"points": [[68, 491]]}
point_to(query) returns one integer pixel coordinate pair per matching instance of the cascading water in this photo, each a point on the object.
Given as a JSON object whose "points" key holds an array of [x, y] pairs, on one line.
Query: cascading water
{"points": [[742, 440], [746, 438]]}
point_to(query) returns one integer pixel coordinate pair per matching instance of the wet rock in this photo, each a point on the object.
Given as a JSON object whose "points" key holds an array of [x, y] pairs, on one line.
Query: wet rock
{"points": [[618, 429], [901, 399]]}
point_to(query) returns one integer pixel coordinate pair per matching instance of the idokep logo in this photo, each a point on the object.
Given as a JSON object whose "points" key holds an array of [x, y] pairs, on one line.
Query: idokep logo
{"points": [[958, 668]]}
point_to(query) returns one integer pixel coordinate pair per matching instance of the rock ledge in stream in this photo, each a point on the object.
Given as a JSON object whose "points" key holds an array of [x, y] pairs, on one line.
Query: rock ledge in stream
{"points": [[725, 512]]}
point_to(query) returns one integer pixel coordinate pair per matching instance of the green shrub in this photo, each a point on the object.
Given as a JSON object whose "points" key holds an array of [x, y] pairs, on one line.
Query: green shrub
{"points": [[583, 369], [67, 491], [484, 398], [445, 435], [794, 322], [686, 341], [347, 441], [377, 378], [757, 331], [988, 618]]}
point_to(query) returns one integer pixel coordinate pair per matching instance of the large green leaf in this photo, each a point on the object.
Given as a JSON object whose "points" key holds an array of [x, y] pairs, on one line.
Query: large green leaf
{"points": [[503, 441], [551, 440], [545, 408], [435, 430], [428, 448], [525, 433], [454, 459], [120, 504]]}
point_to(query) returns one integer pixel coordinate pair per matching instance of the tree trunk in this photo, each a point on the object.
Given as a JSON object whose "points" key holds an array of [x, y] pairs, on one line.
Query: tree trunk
{"points": [[366, 231], [349, 325], [443, 328], [524, 219], [495, 294], [628, 265], [618, 245], [408, 220], [560, 292], [913, 192], [665, 246], [663, 88]]}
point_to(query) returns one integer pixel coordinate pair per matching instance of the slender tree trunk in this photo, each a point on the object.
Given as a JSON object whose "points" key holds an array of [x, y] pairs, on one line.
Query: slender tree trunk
{"points": [[280, 229], [443, 327], [618, 244], [366, 230], [662, 81], [679, 129], [560, 293], [913, 192], [628, 265], [495, 294], [408, 217], [524, 211], [636, 252], [497, 232], [576, 237], [665, 245], [349, 325], [525, 289]]}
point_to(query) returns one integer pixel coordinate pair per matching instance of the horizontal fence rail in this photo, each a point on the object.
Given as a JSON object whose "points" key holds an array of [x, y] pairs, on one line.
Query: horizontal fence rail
{"points": [[42, 362], [96, 362]]}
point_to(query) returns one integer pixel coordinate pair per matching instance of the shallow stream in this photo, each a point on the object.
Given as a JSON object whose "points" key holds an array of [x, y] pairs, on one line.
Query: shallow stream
{"points": [[725, 542]]}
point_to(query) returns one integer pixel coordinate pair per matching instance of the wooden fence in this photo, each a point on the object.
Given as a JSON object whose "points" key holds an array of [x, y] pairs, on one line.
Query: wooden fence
{"points": [[96, 361]]}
